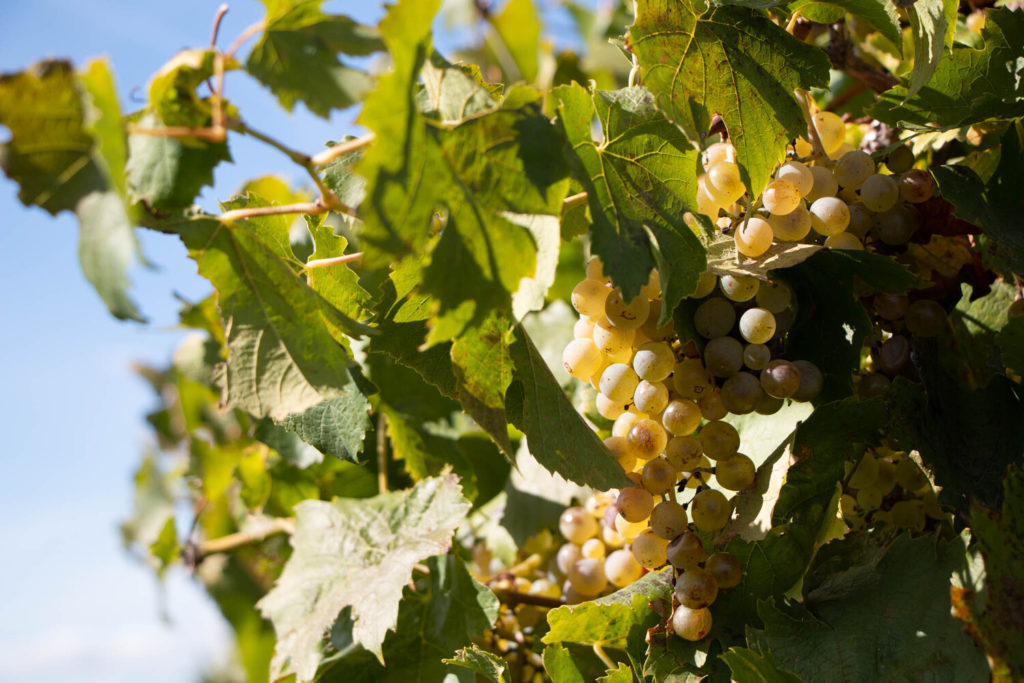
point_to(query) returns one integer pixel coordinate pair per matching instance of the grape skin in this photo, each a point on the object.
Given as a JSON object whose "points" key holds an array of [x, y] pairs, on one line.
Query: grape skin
{"points": [[588, 298], [829, 216], [681, 417], [634, 504], [649, 550], [577, 525], [757, 325], [587, 577], [692, 625], [696, 588], [754, 237], [710, 510], [622, 569], [781, 197], [792, 227]]}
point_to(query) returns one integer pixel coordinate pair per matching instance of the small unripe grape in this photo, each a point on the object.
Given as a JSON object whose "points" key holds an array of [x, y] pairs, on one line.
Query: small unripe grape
{"points": [[609, 408], [890, 306], [714, 317], [844, 240], [757, 325], [879, 193], [691, 379], [634, 504], [726, 569], [668, 519], [588, 298], [567, 556], [916, 186], [595, 270], [622, 569], [718, 151], [650, 397], [659, 476], [893, 355], [825, 184], [900, 159], [618, 382], [710, 510], [686, 551], [681, 417], [705, 285], [797, 173], [683, 452], [724, 183], [780, 379], [926, 318], [861, 220], [587, 577], [696, 588], [811, 381], [736, 473], [754, 237], [647, 439], [723, 356], [739, 288], [654, 361], [831, 130], [720, 440], [756, 356], [627, 316], [581, 359], [781, 197], [853, 168], [897, 225], [741, 393], [829, 216], [872, 385], [612, 340], [649, 550], [792, 227], [577, 525], [593, 548], [583, 329], [711, 406]]}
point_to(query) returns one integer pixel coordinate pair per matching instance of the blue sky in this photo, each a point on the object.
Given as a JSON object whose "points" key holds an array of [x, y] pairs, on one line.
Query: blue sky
{"points": [[74, 607]]}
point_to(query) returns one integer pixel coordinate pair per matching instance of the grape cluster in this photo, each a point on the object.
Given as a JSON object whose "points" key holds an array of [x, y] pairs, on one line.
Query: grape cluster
{"points": [[887, 489]]}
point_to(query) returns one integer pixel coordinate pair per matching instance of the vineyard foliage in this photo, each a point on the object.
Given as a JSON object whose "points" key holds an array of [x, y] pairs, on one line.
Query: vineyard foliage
{"points": [[364, 449]]}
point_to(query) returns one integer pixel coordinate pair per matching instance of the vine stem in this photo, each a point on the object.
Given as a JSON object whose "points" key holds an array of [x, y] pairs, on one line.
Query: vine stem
{"points": [[342, 148], [333, 261], [382, 453], [572, 202], [804, 98], [599, 651], [239, 539], [217, 19], [308, 208], [242, 37]]}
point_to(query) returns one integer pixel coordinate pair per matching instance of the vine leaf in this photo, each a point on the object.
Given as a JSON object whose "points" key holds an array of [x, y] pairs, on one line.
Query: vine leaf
{"points": [[492, 667], [519, 28], [879, 13], [356, 553], [747, 665], [67, 152], [297, 56], [640, 180], [733, 61], [928, 26]]}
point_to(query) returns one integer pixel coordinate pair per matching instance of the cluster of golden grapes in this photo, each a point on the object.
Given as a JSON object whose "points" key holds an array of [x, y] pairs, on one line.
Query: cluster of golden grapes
{"points": [[844, 200], [887, 489]]}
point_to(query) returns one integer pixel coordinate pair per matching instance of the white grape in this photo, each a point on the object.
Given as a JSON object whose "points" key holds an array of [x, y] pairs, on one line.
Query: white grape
{"points": [[781, 197], [654, 361], [880, 193], [588, 298], [581, 359], [853, 168], [829, 216], [618, 382], [650, 397], [798, 174], [757, 325], [739, 288], [792, 227], [831, 130], [649, 550], [825, 184], [754, 236]]}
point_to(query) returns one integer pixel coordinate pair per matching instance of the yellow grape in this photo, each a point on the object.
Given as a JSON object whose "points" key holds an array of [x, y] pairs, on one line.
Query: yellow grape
{"points": [[739, 288], [691, 624], [853, 168], [618, 382], [736, 473], [609, 408], [577, 525], [880, 193], [754, 237], [634, 504], [825, 184], [829, 216], [581, 359], [681, 417], [622, 569], [626, 316], [719, 151], [649, 550], [647, 439], [797, 173], [844, 240], [831, 130], [593, 548], [587, 577], [612, 340], [705, 203], [705, 285], [684, 452], [595, 270], [757, 325], [650, 397], [720, 440], [588, 298], [658, 476], [724, 183], [696, 588], [781, 197], [691, 379], [792, 227], [654, 361], [668, 519], [710, 510]]}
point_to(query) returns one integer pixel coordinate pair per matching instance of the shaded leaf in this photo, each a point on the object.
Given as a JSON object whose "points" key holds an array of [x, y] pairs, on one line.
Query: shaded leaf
{"points": [[335, 426], [1011, 344], [928, 26], [492, 667], [879, 13], [454, 92], [518, 26], [748, 666]]}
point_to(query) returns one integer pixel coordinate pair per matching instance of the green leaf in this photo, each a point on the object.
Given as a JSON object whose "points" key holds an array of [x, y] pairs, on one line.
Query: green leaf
{"points": [[639, 181], [997, 205], [928, 26], [335, 426], [426, 454], [357, 553], [901, 590], [533, 291], [558, 437], [970, 85], [172, 90], [166, 173], [559, 665], [732, 61], [297, 56], [879, 13], [518, 27], [492, 667], [1011, 344], [338, 284], [608, 620], [748, 666], [288, 445], [482, 361], [66, 152], [620, 674], [165, 548], [454, 92], [973, 348]]}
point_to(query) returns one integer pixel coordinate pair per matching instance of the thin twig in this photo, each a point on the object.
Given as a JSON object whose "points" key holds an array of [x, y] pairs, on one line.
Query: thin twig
{"points": [[382, 453], [333, 261], [308, 208], [244, 36], [599, 651], [239, 539], [804, 98], [341, 148], [209, 134], [217, 18], [572, 202]]}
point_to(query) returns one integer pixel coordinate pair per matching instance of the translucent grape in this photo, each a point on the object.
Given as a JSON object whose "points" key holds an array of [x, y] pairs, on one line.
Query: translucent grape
{"points": [[683, 452], [853, 168], [625, 421], [652, 290], [781, 197], [792, 227], [618, 382], [577, 525], [900, 159], [723, 356], [588, 298], [705, 285], [581, 359], [879, 193], [754, 237], [627, 316], [724, 183], [595, 270], [691, 624], [691, 379], [797, 173], [718, 151], [739, 288], [926, 318], [831, 130], [696, 588], [611, 340], [593, 548], [726, 569], [622, 569], [706, 204], [587, 577], [897, 225], [774, 297], [829, 216], [756, 356], [825, 184], [686, 551], [861, 220], [720, 440], [668, 519], [611, 537], [567, 556], [620, 450], [598, 502], [634, 504], [714, 318], [802, 147], [659, 476], [609, 408], [780, 379], [736, 473], [811, 381], [681, 417], [647, 439], [757, 325], [710, 510], [583, 329], [844, 240], [711, 406], [916, 186], [649, 550], [628, 530], [654, 361], [741, 393], [650, 397]]}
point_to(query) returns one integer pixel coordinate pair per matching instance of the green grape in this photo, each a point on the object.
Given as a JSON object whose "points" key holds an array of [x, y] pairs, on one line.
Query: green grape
{"points": [[706, 283], [686, 551], [567, 556], [626, 316], [622, 569], [587, 577], [577, 525], [825, 184], [908, 514], [890, 306], [861, 220], [649, 550], [719, 440], [723, 182], [865, 474], [739, 288], [926, 318], [691, 379], [869, 499], [741, 393], [588, 298], [757, 325], [595, 270], [756, 356], [609, 408], [844, 240], [683, 452], [811, 381], [754, 236], [681, 417], [723, 356], [829, 216], [780, 379], [581, 359], [880, 193], [658, 476], [618, 382], [893, 355], [647, 439], [711, 406], [710, 510], [872, 385], [853, 168], [900, 159], [916, 186], [726, 569], [612, 340], [781, 197], [593, 548], [634, 504], [691, 624], [714, 318], [736, 473], [774, 297], [668, 519], [650, 397], [797, 173], [768, 405], [831, 130], [583, 329], [896, 226], [696, 588], [654, 361], [792, 227], [718, 151]]}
